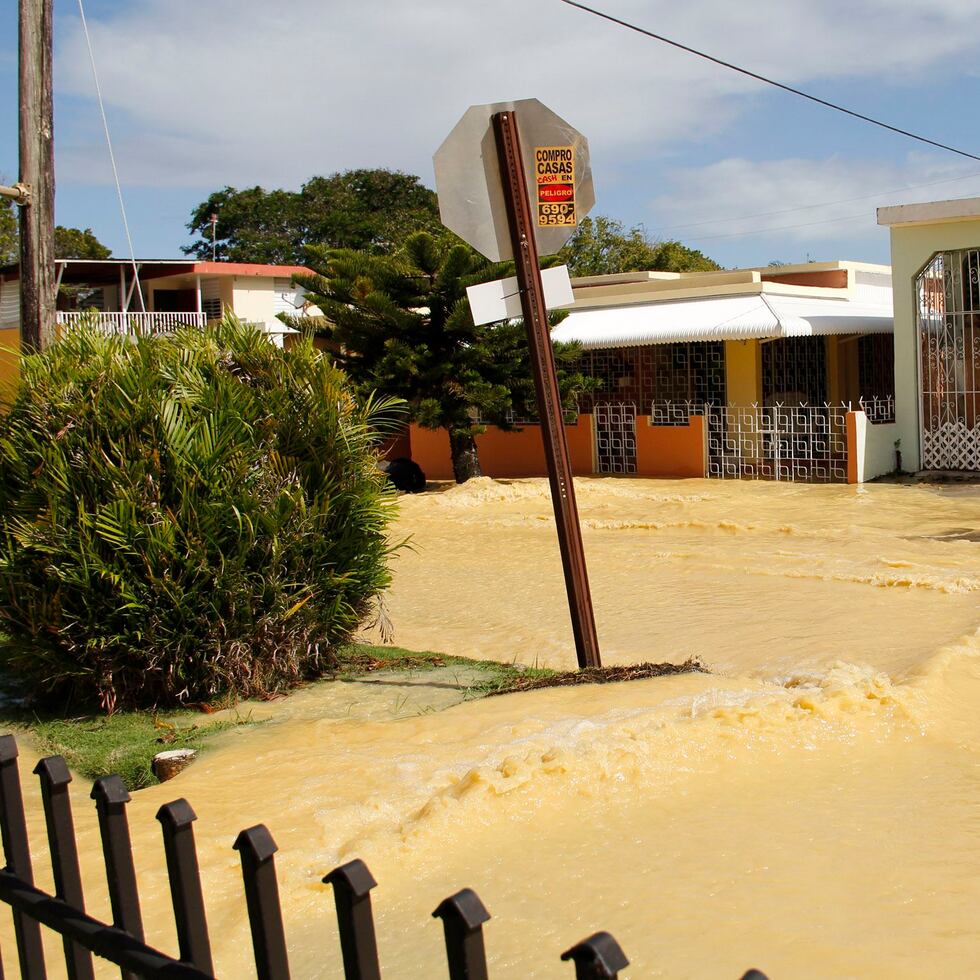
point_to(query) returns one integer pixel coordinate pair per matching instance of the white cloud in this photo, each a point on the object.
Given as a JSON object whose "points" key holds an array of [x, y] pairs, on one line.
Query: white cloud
{"points": [[799, 200], [242, 91]]}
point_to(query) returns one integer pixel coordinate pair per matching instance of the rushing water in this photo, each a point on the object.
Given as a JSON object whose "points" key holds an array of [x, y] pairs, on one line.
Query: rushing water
{"points": [[811, 808]]}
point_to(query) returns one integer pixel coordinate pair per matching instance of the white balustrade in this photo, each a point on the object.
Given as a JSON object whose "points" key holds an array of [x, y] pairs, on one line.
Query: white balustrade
{"points": [[134, 323]]}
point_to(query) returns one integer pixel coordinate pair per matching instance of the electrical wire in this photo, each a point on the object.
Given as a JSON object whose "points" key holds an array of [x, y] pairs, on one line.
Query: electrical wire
{"points": [[766, 231], [112, 159], [769, 81]]}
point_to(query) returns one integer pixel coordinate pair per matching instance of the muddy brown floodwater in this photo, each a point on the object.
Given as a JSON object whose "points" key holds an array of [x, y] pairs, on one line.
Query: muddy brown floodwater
{"points": [[811, 808]]}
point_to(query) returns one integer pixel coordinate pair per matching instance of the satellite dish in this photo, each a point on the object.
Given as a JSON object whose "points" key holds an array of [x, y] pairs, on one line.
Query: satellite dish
{"points": [[296, 297]]}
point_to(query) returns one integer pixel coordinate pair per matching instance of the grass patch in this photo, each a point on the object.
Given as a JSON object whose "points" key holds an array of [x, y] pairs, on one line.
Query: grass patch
{"points": [[499, 678], [359, 659], [603, 675], [123, 743], [126, 741]]}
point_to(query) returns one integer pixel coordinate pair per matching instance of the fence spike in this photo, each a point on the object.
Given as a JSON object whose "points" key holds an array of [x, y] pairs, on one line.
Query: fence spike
{"points": [[463, 915], [257, 850], [177, 822], [54, 778], [599, 957], [111, 796], [17, 850], [352, 884]]}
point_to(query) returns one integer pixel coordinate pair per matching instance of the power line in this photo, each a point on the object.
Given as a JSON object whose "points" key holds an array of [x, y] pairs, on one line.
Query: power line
{"points": [[770, 81], [766, 231], [112, 160]]}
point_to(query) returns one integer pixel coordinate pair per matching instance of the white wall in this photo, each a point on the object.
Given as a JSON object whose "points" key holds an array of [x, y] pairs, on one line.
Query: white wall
{"points": [[254, 300], [878, 456], [912, 247]]}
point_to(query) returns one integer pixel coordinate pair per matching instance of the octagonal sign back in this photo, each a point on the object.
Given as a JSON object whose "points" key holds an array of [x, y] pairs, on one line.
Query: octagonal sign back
{"points": [[556, 165]]}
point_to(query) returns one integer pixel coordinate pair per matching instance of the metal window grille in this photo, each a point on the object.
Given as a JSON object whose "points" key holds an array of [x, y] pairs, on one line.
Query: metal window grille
{"points": [[569, 417], [802, 443], [693, 372], [674, 413], [675, 372], [794, 371], [618, 371], [876, 367], [615, 437], [948, 314], [878, 410]]}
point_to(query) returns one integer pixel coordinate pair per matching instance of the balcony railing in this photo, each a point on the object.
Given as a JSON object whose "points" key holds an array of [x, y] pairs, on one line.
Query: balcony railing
{"points": [[134, 323]]}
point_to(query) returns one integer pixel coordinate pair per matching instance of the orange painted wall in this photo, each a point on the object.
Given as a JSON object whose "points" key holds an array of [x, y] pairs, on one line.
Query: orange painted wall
{"points": [[670, 450], [503, 454], [834, 278], [853, 460], [396, 446], [430, 449]]}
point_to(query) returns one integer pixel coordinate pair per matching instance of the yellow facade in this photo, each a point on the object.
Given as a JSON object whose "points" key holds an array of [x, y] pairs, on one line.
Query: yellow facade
{"points": [[9, 359], [743, 372]]}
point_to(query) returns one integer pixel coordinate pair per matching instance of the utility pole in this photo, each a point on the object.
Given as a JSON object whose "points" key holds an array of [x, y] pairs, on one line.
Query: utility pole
{"points": [[37, 283]]}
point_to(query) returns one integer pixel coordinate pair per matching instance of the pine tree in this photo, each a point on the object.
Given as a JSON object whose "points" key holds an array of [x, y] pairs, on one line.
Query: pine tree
{"points": [[401, 325]]}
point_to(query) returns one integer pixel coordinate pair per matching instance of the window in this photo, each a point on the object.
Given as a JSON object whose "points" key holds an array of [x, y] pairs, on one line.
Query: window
{"points": [[211, 298], [10, 305]]}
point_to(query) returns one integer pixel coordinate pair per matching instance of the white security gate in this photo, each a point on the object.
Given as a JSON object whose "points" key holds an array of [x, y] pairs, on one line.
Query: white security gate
{"points": [[948, 293], [615, 437], [806, 443]]}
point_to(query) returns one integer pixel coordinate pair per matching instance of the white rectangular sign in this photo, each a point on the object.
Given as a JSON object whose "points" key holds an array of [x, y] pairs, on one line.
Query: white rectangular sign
{"points": [[500, 300]]}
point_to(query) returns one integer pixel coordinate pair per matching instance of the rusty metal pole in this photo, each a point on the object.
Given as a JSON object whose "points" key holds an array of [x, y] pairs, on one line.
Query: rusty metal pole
{"points": [[37, 277], [546, 385]]}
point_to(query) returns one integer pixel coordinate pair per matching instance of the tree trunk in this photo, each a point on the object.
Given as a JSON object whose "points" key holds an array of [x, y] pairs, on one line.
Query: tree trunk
{"points": [[466, 459]]}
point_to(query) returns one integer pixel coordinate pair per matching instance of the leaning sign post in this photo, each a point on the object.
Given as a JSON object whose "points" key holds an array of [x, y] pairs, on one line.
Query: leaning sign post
{"points": [[485, 181]]}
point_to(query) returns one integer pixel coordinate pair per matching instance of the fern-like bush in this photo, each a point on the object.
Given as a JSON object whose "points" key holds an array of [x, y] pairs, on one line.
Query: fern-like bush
{"points": [[185, 516]]}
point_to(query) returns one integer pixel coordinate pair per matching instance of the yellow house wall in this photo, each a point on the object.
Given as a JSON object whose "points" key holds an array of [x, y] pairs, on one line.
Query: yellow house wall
{"points": [[912, 247], [743, 372], [227, 284], [9, 358]]}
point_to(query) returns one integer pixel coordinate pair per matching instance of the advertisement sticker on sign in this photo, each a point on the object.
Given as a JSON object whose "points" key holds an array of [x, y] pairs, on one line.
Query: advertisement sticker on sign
{"points": [[554, 172]]}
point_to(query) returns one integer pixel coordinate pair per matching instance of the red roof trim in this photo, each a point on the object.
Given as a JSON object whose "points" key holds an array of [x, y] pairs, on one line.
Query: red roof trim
{"points": [[248, 269]]}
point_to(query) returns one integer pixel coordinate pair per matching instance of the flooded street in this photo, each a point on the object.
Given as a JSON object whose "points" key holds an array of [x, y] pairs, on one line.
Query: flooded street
{"points": [[765, 579], [810, 808]]}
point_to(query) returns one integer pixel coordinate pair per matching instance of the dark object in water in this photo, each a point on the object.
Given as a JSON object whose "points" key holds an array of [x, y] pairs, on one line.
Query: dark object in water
{"points": [[404, 473]]}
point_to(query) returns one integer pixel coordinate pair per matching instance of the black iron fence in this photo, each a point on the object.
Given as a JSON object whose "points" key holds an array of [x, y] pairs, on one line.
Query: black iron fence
{"points": [[463, 915]]}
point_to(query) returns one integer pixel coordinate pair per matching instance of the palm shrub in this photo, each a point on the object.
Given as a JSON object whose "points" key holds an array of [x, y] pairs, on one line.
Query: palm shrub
{"points": [[187, 516]]}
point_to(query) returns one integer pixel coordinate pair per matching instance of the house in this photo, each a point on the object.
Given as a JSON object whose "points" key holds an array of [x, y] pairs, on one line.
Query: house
{"points": [[783, 373], [153, 296], [936, 262]]}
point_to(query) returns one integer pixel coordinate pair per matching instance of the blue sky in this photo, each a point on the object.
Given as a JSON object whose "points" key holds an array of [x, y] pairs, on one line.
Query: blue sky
{"points": [[243, 92]]}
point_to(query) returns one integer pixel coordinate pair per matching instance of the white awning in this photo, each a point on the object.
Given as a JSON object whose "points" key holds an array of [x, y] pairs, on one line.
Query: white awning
{"points": [[724, 318]]}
